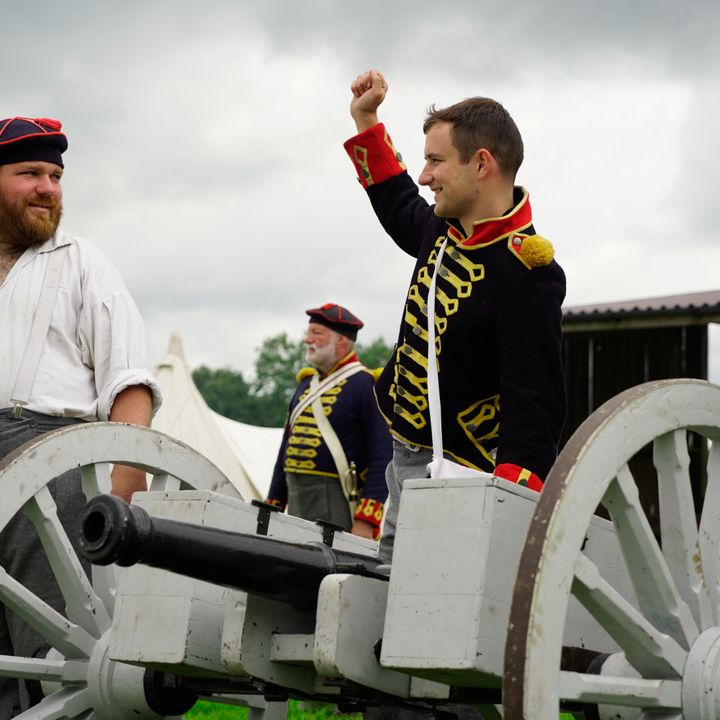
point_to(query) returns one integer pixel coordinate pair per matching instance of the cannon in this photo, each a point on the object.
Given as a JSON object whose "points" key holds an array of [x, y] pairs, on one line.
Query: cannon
{"points": [[521, 604], [113, 532]]}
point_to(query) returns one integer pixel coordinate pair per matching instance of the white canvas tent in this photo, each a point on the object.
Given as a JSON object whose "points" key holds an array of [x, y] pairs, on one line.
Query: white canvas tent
{"points": [[245, 453]]}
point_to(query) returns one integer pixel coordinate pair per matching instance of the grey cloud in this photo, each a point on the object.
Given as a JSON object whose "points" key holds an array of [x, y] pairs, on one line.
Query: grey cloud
{"points": [[205, 143]]}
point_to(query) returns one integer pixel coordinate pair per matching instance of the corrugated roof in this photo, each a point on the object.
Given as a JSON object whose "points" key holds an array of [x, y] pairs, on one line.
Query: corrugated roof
{"points": [[666, 310], [696, 304]]}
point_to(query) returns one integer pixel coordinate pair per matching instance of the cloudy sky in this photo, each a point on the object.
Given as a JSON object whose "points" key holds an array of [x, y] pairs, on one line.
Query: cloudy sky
{"points": [[206, 144]]}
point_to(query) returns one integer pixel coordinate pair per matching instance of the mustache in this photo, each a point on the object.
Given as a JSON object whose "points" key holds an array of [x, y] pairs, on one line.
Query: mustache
{"points": [[47, 202]]}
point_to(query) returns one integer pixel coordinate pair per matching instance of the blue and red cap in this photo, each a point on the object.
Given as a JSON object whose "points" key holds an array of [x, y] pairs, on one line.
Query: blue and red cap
{"points": [[25, 139], [337, 318]]}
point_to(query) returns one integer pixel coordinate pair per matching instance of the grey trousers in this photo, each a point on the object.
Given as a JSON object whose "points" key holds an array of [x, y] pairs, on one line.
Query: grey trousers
{"points": [[22, 555], [314, 497], [406, 463]]}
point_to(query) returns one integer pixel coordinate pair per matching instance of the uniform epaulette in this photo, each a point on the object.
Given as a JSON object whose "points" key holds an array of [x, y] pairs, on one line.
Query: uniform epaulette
{"points": [[532, 250], [373, 372], [304, 372]]}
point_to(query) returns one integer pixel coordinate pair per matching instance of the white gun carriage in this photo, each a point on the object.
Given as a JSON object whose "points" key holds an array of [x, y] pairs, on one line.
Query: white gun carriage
{"points": [[521, 604]]}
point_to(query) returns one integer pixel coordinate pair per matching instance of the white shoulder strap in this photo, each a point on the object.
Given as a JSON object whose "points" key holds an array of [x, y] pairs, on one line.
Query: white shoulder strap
{"points": [[329, 436], [432, 374], [439, 466], [38, 330], [322, 387]]}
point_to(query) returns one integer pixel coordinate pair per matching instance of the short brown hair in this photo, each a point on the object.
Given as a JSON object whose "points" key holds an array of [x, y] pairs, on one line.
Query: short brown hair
{"points": [[480, 122]]}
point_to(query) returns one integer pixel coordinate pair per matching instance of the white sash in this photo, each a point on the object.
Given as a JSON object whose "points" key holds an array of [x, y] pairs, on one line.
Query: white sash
{"points": [[439, 467], [329, 436], [322, 387]]}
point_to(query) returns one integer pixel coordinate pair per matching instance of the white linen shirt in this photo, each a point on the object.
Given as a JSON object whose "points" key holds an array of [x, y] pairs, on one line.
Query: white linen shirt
{"points": [[95, 346]]}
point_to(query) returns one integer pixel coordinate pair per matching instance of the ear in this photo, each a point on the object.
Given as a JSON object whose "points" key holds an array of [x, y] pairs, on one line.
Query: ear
{"points": [[341, 346], [484, 162]]}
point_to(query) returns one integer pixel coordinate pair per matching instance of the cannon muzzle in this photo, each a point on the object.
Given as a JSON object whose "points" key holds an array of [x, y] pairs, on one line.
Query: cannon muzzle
{"points": [[111, 531]]}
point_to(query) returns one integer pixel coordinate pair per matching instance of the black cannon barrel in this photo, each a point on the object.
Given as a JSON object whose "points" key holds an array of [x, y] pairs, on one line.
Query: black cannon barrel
{"points": [[111, 531]]}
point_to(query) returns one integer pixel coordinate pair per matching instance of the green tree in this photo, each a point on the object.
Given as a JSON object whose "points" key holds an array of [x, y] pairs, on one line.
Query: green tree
{"points": [[264, 401], [228, 393], [374, 355], [224, 390], [278, 360]]}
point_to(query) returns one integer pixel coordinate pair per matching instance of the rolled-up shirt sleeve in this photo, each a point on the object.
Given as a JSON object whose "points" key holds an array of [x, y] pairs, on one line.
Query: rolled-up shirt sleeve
{"points": [[115, 346], [112, 337]]}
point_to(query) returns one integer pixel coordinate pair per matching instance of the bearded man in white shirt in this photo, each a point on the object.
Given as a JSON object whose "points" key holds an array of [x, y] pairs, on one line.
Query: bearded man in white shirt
{"points": [[92, 363]]}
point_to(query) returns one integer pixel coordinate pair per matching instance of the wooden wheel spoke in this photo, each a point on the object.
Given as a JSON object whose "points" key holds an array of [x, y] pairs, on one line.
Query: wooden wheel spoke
{"points": [[84, 682], [95, 479], [657, 596], [628, 692], [83, 606], [660, 615], [104, 580], [70, 639], [67, 671], [162, 482], [648, 650], [678, 523], [709, 535], [66, 703]]}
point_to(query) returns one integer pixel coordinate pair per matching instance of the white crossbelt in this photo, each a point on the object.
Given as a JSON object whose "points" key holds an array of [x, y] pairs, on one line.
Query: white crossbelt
{"points": [[439, 466], [329, 436], [332, 441], [322, 387]]}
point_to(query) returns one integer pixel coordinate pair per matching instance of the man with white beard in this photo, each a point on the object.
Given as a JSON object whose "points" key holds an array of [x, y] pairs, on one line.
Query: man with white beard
{"points": [[72, 350], [336, 446]]}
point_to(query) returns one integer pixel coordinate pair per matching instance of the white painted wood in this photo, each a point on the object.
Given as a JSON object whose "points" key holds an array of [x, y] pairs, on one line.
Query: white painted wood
{"points": [[668, 581], [456, 555], [80, 677], [348, 624]]}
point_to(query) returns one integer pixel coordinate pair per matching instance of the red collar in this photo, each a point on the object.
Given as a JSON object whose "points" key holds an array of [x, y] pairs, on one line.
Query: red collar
{"points": [[492, 229], [350, 357]]}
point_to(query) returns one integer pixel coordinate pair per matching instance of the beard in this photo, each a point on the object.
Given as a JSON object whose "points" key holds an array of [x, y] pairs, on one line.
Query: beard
{"points": [[321, 357], [25, 229]]}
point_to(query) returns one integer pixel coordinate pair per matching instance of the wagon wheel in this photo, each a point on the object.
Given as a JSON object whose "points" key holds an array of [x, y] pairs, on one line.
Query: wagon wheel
{"points": [[670, 640], [80, 680]]}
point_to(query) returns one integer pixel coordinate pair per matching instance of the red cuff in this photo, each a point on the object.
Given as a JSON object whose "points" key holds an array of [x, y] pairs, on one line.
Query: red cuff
{"points": [[276, 503], [374, 156], [519, 475], [371, 511]]}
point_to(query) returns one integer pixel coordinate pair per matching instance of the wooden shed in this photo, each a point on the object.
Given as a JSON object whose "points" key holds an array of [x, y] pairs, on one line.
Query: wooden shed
{"points": [[612, 346]]}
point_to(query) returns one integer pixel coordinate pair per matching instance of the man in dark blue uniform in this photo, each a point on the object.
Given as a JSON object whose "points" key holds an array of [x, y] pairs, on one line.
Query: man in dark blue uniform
{"points": [[336, 446], [497, 302]]}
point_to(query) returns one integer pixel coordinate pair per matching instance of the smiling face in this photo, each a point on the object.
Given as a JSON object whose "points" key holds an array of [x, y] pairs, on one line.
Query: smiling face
{"points": [[453, 182], [30, 202]]}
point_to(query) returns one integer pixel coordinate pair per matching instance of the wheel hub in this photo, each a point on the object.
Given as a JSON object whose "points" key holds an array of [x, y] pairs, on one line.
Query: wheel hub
{"points": [[116, 689], [701, 679]]}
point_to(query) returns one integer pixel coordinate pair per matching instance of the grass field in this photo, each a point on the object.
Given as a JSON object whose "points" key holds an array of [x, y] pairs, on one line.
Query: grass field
{"points": [[214, 711]]}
